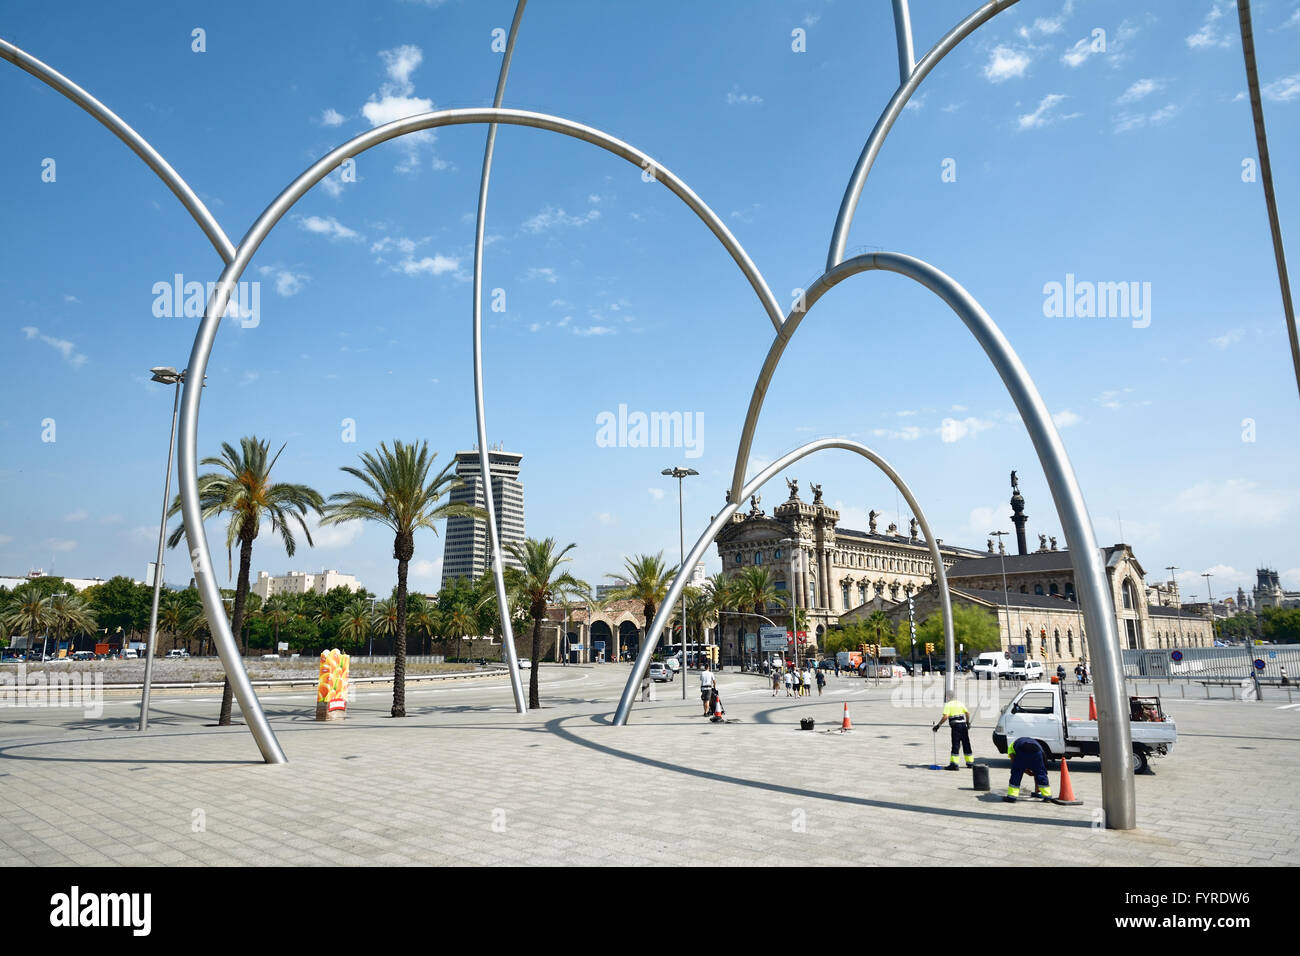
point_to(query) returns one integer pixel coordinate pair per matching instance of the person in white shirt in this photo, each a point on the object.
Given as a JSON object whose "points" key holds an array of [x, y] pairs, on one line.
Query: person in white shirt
{"points": [[707, 683]]}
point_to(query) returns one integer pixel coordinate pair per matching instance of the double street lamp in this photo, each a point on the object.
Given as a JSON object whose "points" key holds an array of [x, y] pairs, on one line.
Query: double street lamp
{"points": [[164, 375], [679, 474]]}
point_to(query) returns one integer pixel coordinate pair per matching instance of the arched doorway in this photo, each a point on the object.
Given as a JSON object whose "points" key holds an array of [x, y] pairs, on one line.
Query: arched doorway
{"points": [[602, 641], [629, 637]]}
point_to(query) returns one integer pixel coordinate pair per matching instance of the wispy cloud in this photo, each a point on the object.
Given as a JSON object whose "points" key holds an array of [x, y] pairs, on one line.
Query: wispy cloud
{"points": [[1284, 90], [735, 97], [1231, 337], [1126, 121], [953, 429], [1213, 32], [331, 117], [287, 282], [64, 347], [1140, 89], [1047, 26], [1006, 63], [327, 226], [545, 274], [396, 100], [553, 218], [1045, 114]]}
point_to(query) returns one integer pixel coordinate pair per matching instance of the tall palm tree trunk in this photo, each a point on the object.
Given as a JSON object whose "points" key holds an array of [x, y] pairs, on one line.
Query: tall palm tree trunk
{"points": [[403, 548], [534, 698], [237, 618]]}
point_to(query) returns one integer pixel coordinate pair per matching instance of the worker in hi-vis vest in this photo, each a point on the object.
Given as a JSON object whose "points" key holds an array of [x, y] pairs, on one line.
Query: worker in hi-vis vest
{"points": [[1027, 755], [958, 718]]}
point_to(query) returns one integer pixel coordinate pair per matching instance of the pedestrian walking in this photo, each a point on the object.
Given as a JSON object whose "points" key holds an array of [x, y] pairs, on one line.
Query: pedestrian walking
{"points": [[1285, 681], [958, 718], [821, 681], [789, 684], [807, 682], [1027, 755], [776, 683], [706, 687], [1060, 673], [1078, 674]]}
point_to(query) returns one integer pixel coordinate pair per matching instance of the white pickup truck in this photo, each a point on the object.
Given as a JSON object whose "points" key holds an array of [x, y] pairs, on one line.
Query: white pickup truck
{"points": [[1039, 711]]}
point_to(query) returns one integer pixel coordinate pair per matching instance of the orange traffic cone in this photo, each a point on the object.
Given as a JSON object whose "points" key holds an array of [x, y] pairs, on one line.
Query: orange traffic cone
{"points": [[1092, 707], [717, 709], [847, 724], [1067, 798]]}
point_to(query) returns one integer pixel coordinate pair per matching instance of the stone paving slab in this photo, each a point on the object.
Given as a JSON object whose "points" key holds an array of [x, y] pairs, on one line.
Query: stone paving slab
{"points": [[464, 780]]}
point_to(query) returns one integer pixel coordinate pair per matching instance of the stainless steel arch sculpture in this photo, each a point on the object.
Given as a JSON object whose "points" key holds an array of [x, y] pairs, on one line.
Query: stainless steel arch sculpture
{"points": [[666, 607], [204, 339], [910, 81], [480, 416]]}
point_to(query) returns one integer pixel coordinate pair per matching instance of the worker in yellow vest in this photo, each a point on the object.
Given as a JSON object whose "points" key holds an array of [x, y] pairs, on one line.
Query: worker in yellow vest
{"points": [[958, 718]]}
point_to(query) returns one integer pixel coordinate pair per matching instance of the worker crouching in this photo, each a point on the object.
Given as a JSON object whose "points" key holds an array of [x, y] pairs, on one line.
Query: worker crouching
{"points": [[1027, 756]]}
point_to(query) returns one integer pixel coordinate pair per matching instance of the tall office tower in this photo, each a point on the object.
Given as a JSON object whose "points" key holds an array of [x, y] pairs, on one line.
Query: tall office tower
{"points": [[465, 553]]}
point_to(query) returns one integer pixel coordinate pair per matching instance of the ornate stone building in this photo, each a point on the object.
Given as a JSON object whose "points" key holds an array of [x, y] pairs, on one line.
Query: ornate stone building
{"points": [[821, 568], [835, 574]]}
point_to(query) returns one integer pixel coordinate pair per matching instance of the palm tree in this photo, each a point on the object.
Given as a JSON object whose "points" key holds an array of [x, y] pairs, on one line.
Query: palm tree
{"points": [[645, 579], [383, 618], [68, 614], [173, 609], [27, 613], [422, 616], [244, 491], [356, 622], [755, 590], [277, 612], [404, 500], [461, 622], [536, 582]]}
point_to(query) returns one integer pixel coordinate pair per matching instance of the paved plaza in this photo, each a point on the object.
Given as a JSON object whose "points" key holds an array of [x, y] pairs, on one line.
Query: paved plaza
{"points": [[464, 780]]}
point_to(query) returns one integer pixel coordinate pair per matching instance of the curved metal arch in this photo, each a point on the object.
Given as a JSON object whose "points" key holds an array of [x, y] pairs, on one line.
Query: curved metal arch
{"points": [[666, 607], [853, 192], [480, 415], [1089, 573], [134, 141], [187, 449]]}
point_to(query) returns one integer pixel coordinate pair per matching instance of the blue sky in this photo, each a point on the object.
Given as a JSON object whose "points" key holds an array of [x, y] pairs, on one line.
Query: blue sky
{"points": [[1122, 165]]}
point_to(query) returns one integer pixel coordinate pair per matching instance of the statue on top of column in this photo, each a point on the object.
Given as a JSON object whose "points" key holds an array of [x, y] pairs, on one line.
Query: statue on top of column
{"points": [[793, 485], [871, 518]]}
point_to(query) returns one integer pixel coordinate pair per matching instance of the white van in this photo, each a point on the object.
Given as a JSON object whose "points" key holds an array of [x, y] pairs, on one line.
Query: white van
{"points": [[129, 654], [992, 664]]}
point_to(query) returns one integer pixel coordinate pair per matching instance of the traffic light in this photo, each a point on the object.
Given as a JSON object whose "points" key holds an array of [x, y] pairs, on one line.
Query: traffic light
{"points": [[929, 648]]}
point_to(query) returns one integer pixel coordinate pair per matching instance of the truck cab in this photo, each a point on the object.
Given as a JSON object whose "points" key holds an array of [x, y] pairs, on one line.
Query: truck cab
{"points": [[1039, 712]]}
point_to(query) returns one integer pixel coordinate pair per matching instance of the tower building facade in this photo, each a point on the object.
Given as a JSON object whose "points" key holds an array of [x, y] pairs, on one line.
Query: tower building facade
{"points": [[466, 552]]}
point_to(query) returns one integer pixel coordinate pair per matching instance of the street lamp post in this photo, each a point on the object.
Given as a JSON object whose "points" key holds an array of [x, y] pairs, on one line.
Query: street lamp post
{"points": [[166, 376], [679, 474], [1173, 580]]}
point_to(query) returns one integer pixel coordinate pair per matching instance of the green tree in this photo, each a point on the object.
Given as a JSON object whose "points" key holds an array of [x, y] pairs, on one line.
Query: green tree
{"points": [[68, 615], [404, 499], [1281, 625], [27, 613], [645, 578], [244, 492], [972, 626], [120, 604], [538, 581], [355, 622]]}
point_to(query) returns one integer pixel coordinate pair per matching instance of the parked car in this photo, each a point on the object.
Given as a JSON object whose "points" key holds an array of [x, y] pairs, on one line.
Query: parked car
{"points": [[525, 663], [659, 671], [84, 656], [177, 653]]}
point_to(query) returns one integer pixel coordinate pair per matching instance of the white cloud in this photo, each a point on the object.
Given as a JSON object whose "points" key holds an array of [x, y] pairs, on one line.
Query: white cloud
{"points": [[952, 429], [1231, 337], [1141, 88], [810, 20], [1126, 121], [422, 569], [1212, 33], [594, 330], [550, 218], [400, 243], [78, 515], [327, 226], [1047, 26], [1078, 54], [1065, 418], [605, 518], [984, 520], [72, 299], [60, 544], [143, 533], [64, 347], [1236, 502], [1293, 21], [1283, 90], [545, 274], [915, 103], [6, 538], [433, 265], [1006, 63], [331, 117], [333, 537], [1044, 115], [287, 282], [656, 493], [396, 100], [389, 108], [745, 99]]}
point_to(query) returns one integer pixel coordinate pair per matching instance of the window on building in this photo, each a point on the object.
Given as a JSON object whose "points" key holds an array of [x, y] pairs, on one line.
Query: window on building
{"points": [[862, 594], [776, 555], [1024, 589], [739, 559], [1057, 635], [1130, 600], [844, 590], [1069, 590], [1038, 589], [1069, 641], [758, 557], [1053, 590]]}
